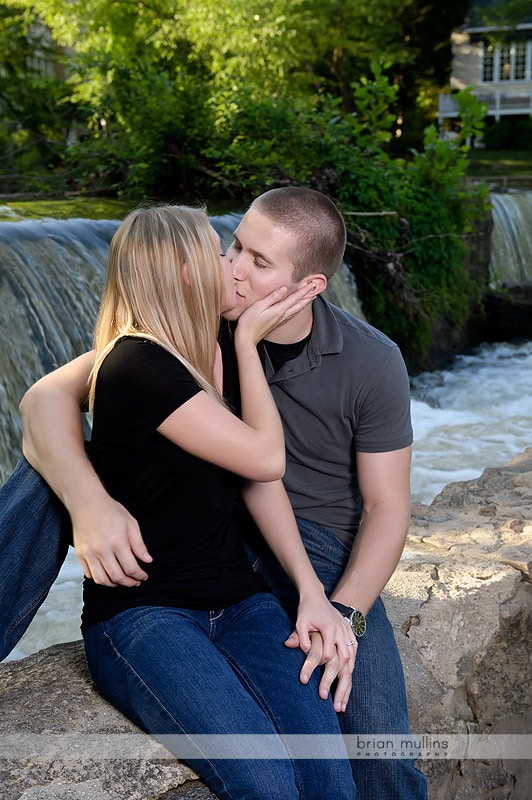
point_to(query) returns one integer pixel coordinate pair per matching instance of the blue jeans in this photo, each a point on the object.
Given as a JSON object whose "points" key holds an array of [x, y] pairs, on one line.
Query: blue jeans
{"points": [[34, 537], [378, 699], [178, 673]]}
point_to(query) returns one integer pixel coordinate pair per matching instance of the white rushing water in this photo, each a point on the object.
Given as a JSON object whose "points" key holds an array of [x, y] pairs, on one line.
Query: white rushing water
{"points": [[477, 414]]}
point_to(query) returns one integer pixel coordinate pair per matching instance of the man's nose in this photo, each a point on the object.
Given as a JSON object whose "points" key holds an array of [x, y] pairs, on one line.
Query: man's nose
{"points": [[239, 273]]}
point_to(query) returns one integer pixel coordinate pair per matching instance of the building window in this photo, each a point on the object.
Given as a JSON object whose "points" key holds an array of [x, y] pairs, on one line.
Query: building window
{"points": [[520, 61], [506, 62], [487, 64]]}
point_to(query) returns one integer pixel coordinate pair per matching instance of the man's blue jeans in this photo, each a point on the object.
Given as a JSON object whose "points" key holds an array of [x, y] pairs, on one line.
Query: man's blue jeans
{"points": [[378, 699], [34, 536], [178, 672]]}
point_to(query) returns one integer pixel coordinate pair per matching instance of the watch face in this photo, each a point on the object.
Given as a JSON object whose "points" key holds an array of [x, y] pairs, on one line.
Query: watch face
{"points": [[358, 623]]}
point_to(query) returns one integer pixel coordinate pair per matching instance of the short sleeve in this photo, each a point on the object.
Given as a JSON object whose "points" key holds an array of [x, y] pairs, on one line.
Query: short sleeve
{"points": [[139, 385], [384, 419]]}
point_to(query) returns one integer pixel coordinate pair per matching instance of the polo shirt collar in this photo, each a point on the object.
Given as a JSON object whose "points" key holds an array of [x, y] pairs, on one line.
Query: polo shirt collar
{"points": [[326, 338]]}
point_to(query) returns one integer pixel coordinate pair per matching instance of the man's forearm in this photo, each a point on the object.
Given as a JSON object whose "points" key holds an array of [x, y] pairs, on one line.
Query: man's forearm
{"points": [[53, 444], [384, 481], [53, 432], [376, 552], [107, 538]]}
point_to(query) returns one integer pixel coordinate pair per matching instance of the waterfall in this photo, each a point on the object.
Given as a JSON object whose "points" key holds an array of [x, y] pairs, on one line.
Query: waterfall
{"points": [[51, 278], [51, 275], [511, 241]]}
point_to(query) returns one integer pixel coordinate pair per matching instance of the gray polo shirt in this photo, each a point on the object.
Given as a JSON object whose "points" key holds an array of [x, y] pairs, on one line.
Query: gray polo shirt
{"points": [[347, 391]]}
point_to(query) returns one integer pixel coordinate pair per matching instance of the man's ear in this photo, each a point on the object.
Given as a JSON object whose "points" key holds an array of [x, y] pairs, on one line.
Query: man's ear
{"points": [[317, 283]]}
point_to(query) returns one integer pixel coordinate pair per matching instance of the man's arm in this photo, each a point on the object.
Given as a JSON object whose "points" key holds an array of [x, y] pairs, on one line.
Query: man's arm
{"points": [[106, 537], [384, 482]]}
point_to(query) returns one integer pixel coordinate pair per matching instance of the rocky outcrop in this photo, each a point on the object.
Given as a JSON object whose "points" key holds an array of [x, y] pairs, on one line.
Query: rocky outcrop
{"points": [[461, 605]]}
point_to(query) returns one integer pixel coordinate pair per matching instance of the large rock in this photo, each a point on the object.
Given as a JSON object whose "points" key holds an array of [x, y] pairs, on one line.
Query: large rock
{"points": [[461, 605], [60, 739]]}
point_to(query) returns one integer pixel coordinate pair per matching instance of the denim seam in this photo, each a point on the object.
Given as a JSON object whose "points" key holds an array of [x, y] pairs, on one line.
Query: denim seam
{"points": [[21, 616], [261, 700]]}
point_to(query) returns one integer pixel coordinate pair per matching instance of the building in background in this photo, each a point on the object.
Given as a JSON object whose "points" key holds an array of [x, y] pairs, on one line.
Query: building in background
{"points": [[497, 64]]}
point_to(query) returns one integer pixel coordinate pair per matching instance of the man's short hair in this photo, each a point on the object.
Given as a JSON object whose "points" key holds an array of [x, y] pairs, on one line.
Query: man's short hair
{"points": [[316, 222]]}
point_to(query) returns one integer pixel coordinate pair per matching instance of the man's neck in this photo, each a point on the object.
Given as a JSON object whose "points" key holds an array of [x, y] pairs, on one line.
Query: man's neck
{"points": [[294, 329]]}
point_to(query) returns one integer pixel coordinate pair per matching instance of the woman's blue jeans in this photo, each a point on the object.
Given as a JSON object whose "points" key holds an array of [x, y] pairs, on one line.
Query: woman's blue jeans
{"points": [[178, 672], [378, 699]]}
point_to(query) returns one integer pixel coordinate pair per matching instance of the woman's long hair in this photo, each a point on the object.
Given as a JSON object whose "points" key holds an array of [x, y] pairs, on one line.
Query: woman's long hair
{"points": [[164, 283]]}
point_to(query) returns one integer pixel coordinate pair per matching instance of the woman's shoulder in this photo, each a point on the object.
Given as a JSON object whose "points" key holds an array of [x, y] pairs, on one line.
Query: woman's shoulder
{"points": [[143, 369], [140, 359], [147, 350]]}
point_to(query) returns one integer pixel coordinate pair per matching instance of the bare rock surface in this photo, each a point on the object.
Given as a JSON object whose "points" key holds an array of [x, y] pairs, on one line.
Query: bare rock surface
{"points": [[461, 605]]}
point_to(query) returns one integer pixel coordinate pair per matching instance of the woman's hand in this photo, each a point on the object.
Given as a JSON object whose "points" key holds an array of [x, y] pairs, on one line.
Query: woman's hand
{"points": [[331, 671], [274, 309], [327, 640]]}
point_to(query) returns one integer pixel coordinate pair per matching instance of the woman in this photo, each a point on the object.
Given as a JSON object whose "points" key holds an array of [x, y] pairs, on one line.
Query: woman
{"points": [[196, 650]]}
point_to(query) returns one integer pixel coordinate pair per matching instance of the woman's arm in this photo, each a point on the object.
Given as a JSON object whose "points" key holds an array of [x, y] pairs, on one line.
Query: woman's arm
{"points": [[106, 537], [270, 507], [253, 446]]}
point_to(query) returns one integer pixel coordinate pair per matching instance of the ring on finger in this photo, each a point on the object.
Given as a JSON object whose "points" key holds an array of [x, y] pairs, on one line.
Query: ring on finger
{"points": [[350, 643]]}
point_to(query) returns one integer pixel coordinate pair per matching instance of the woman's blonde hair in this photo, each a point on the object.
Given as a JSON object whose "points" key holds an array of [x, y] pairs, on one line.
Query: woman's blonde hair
{"points": [[164, 283]]}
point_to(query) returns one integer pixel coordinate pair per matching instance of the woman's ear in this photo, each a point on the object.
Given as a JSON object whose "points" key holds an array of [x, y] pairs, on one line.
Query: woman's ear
{"points": [[317, 284], [184, 272]]}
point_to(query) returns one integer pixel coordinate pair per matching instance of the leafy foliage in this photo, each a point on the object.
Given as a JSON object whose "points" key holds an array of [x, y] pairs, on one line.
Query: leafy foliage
{"points": [[222, 98], [502, 13]]}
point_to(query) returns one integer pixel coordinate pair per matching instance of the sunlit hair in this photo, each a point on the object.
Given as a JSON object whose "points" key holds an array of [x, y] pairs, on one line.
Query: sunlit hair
{"points": [[150, 293], [316, 222]]}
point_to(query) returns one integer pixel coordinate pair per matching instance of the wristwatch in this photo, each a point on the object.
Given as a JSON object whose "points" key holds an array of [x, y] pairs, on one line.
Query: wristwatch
{"points": [[356, 618]]}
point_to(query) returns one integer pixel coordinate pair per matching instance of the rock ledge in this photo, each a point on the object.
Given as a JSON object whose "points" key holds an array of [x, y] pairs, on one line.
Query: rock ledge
{"points": [[461, 605]]}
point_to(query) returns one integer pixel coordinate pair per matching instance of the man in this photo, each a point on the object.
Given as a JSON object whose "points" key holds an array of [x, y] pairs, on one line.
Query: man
{"points": [[342, 391]]}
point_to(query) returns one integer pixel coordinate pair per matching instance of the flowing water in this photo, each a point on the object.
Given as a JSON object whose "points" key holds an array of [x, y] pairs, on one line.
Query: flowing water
{"points": [[477, 413], [511, 244]]}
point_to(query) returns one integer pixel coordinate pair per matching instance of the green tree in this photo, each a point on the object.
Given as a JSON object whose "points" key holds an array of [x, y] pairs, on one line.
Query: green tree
{"points": [[34, 109], [502, 13]]}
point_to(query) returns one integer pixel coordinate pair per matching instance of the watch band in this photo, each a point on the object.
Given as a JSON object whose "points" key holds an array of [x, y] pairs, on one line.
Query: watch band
{"points": [[345, 611], [355, 617]]}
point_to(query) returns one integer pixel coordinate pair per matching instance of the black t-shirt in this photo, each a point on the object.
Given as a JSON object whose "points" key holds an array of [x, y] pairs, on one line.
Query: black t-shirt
{"points": [[183, 504]]}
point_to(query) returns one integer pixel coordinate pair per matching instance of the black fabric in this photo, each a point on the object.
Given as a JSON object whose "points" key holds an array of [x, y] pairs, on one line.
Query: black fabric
{"points": [[281, 353], [183, 504]]}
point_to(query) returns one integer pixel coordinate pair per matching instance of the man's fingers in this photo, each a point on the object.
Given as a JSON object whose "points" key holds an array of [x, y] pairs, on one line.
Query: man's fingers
{"points": [[293, 640], [313, 659], [127, 573], [140, 550], [136, 544], [125, 566], [107, 570], [109, 546]]}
